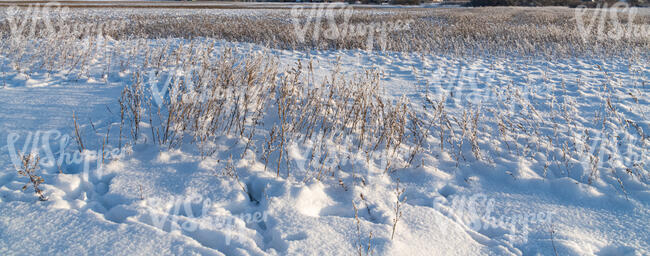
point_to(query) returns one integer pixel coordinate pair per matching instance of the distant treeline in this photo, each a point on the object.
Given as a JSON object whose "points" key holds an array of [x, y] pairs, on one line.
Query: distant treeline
{"points": [[569, 3]]}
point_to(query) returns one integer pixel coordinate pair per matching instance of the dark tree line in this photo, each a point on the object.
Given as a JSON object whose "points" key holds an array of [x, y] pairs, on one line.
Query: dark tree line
{"points": [[569, 3]]}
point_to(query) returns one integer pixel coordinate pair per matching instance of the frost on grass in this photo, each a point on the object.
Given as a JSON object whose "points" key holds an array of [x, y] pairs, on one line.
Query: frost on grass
{"points": [[339, 157]]}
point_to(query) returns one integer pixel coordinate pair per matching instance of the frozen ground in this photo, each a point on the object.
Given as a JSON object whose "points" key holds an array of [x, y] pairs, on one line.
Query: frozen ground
{"points": [[197, 4], [155, 200]]}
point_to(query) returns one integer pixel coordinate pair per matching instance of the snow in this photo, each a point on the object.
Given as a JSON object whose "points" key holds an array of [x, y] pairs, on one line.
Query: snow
{"points": [[149, 199]]}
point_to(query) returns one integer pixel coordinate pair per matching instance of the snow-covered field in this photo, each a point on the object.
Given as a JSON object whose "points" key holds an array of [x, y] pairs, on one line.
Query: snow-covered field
{"points": [[207, 147]]}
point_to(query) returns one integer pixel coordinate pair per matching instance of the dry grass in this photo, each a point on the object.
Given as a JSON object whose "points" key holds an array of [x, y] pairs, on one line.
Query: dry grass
{"points": [[29, 166], [226, 94], [469, 32], [247, 96]]}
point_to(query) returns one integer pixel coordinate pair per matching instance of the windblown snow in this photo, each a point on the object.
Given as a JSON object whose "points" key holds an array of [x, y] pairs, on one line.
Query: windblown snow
{"points": [[529, 190]]}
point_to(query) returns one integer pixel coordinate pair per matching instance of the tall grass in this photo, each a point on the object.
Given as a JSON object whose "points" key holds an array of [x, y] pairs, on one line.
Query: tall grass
{"points": [[220, 93], [464, 32], [247, 97]]}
